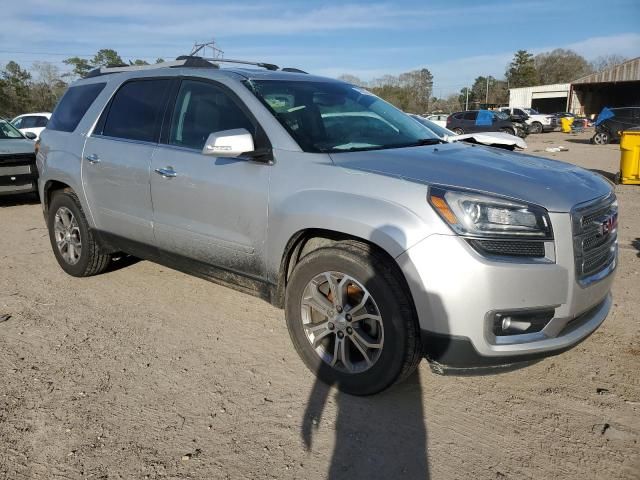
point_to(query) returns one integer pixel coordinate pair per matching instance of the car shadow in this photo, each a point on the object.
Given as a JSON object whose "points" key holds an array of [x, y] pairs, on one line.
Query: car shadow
{"points": [[19, 199], [121, 261], [636, 244], [583, 141]]}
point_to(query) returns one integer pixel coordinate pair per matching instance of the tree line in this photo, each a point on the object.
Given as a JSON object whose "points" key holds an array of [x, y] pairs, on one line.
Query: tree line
{"points": [[40, 87], [524, 70]]}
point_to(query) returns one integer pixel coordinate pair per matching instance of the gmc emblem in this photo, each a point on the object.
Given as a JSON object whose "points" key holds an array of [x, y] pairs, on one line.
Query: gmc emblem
{"points": [[608, 225]]}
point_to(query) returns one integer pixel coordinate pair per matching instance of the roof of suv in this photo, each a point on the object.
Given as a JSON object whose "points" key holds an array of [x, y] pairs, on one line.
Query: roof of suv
{"points": [[209, 68]]}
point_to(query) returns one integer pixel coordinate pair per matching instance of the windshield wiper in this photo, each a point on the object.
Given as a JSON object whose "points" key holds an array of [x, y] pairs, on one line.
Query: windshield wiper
{"points": [[429, 141]]}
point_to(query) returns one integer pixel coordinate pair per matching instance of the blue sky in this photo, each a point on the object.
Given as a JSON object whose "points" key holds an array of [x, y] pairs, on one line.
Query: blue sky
{"points": [[456, 40]]}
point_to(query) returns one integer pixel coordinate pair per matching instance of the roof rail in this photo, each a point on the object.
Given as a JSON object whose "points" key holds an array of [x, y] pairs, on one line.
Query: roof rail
{"points": [[96, 72], [185, 61], [293, 70], [268, 66]]}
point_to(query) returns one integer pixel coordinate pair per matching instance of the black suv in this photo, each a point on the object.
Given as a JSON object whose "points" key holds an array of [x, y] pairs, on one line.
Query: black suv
{"points": [[473, 121], [610, 128]]}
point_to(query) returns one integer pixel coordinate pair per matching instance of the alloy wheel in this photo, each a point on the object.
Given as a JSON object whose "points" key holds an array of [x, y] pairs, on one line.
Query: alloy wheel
{"points": [[67, 235], [342, 322]]}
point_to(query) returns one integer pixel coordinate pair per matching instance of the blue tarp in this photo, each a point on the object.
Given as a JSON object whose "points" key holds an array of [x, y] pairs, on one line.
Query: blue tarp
{"points": [[484, 118], [605, 114]]}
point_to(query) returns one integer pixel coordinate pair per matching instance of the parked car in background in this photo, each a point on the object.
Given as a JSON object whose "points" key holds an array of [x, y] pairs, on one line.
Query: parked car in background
{"points": [[438, 119], [611, 122], [473, 121], [538, 122], [491, 139], [383, 243], [18, 173], [32, 122]]}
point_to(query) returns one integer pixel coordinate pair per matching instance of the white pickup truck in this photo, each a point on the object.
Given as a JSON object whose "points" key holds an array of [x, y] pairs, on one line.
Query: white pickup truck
{"points": [[538, 122]]}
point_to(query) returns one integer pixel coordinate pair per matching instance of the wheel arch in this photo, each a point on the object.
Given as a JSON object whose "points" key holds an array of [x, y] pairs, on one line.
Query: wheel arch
{"points": [[309, 240]]}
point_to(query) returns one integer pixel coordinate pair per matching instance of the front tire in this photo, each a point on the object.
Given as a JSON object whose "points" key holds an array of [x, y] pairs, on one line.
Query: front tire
{"points": [[351, 319], [74, 246], [536, 127], [601, 138], [458, 131]]}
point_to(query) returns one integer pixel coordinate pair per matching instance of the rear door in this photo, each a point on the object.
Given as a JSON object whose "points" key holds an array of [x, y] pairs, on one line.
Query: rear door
{"points": [[469, 122], [213, 210], [117, 158]]}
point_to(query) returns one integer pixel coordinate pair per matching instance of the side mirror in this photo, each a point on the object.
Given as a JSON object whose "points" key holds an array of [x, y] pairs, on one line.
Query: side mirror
{"points": [[30, 135], [229, 143]]}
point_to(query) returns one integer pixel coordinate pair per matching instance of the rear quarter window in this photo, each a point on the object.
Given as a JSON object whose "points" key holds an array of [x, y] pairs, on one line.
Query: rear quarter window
{"points": [[73, 105]]}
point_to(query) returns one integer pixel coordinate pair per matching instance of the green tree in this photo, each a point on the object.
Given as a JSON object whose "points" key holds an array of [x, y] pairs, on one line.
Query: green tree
{"points": [[159, 60], [15, 84], [138, 62], [81, 66], [521, 72], [560, 66], [106, 57]]}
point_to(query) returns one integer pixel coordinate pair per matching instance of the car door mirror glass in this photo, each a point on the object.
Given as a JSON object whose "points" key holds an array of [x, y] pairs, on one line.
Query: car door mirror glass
{"points": [[30, 135], [229, 143]]}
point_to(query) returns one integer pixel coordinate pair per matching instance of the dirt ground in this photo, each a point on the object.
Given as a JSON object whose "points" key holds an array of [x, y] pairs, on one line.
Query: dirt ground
{"points": [[144, 372]]}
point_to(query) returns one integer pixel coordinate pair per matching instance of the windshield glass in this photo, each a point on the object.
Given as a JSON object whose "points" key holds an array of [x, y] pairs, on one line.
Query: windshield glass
{"points": [[337, 117], [8, 131], [434, 127]]}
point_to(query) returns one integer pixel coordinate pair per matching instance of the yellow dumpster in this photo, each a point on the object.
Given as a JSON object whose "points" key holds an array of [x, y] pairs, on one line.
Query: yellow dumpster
{"points": [[630, 157], [565, 124]]}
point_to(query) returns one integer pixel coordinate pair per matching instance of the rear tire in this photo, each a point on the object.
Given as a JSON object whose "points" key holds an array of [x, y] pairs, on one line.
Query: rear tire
{"points": [[74, 246], [369, 285], [510, 131], [458, 131]]}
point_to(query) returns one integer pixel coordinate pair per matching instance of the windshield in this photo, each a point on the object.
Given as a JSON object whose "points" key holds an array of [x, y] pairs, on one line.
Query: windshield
{"points": [[8, 131], [337, 117], [434, 127]]}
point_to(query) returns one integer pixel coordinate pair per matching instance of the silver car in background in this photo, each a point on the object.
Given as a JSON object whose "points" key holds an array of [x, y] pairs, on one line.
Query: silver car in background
{"points": [[383, 243]]}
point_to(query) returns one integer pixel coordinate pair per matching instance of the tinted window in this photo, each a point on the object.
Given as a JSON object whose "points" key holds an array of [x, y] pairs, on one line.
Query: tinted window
{"points": [[201, 109], [517, 111], [17, 123], [41, 121], [73, 105], [470, 115], [136, 110]]}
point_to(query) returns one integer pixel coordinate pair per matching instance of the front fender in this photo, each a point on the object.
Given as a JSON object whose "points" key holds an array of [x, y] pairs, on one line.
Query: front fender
{"points": [[391, 226]]}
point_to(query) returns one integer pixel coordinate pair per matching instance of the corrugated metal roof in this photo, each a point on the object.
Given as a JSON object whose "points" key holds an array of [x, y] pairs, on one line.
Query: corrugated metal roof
{"points": [[628, 71]]}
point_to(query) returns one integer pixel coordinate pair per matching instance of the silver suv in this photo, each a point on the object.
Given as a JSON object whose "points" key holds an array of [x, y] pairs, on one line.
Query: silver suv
{"points": [[382, 243]]}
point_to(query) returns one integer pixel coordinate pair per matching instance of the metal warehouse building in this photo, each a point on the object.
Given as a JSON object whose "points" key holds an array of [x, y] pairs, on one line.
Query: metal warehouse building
{"points": [[544, 98], [618, 86]]}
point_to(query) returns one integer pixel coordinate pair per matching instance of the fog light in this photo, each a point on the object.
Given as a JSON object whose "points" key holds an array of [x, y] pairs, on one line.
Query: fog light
{"points": [[520, 322]]}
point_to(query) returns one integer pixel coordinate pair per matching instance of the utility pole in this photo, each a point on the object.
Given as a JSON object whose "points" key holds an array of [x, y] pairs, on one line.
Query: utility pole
{"points": [[215, 51], [486, 98], [466, 104]]}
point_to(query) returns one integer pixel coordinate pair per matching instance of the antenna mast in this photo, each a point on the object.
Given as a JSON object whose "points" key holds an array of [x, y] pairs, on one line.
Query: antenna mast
{"points": [[215, 51]]}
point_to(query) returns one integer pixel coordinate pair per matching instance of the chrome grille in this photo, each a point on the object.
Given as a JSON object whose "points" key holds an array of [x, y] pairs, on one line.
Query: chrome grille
{"points": [[595, 237]]}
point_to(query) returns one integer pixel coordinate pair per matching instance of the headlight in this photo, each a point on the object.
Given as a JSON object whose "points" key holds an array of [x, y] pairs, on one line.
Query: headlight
{"points": [[478, 215]]}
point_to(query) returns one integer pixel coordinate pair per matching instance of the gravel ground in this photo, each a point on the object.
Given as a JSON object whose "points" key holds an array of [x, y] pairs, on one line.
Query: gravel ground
{"points": [[144, 372]]}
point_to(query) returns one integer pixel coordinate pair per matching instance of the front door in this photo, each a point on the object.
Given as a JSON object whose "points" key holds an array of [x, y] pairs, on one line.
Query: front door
{"points": [[117, 157], [206, 208]]}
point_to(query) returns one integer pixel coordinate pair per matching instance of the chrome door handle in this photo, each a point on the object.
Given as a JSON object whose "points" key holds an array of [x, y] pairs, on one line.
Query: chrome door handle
{"points": [[167, 172], [93, 158]]}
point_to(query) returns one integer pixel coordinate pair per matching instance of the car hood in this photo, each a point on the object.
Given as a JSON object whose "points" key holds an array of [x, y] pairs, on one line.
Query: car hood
{"points": [[557, 186], [16, 145], [491, 138]]}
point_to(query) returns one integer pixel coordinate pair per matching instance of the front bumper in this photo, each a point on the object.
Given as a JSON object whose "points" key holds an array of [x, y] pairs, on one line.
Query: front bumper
{"points": [[18, 174], [457, 292]]}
